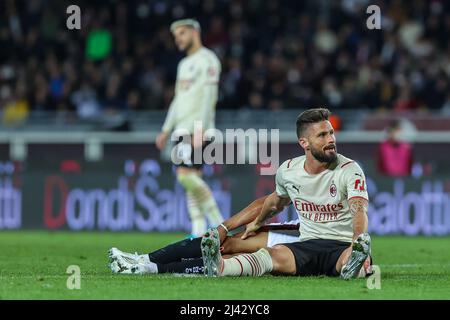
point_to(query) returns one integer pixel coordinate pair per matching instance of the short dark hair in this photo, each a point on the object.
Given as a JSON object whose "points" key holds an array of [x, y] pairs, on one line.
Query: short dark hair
{"points": [[309, 117]]}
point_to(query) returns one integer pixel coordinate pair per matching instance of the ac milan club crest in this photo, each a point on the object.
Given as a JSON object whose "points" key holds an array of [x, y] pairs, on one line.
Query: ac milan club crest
{"points": [[333, 190]]}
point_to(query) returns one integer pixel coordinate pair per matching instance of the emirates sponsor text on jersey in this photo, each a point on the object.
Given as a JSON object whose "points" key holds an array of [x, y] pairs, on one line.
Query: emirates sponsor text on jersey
{"points": [[318, 212]]}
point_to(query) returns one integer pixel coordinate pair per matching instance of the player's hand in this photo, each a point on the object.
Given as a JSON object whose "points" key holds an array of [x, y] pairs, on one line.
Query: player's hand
{"points": [[251, 229], [161, 140]]}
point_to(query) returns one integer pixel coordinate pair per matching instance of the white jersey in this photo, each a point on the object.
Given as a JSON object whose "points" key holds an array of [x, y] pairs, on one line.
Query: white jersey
{"points": [[196, 92], [321, 200]]}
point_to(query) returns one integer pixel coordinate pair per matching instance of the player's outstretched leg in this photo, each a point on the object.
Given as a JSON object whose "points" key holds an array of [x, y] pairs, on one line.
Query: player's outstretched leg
{"points": [[184, 249], [360, 252], [254, 264], [180, 257]]}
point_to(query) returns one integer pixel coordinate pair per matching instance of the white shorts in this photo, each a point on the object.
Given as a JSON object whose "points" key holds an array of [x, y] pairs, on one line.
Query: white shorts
{"points": [[275, 238]]}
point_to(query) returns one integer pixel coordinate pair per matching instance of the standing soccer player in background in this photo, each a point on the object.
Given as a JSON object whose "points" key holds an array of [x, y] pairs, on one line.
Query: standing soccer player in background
{"points": [[196, 93]]}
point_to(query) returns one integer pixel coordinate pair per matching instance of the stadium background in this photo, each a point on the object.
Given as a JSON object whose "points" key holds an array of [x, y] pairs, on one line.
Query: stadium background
{"points": [[80, 109]]}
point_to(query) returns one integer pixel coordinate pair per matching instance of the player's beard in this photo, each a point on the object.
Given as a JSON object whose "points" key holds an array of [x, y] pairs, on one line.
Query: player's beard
{"points": [[321, 156], [188, 46]]}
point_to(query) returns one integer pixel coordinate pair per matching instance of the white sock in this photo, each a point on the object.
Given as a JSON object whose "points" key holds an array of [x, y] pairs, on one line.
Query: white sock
{"points": [[210, 208], [190, 183], [253, 264], [196, 188], [144, 258], [199, 226], [205, 198], [150, 267]]}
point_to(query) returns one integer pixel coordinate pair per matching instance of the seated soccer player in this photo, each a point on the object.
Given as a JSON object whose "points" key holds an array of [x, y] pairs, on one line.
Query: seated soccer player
{"points": [[329, 193]]}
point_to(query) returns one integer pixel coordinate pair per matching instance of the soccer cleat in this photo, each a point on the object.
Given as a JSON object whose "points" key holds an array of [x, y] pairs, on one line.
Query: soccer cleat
{"points": [[122, 266], [114, 266], [212, 259], [115, 253], [132, 258], [127, 263], [366, 270], [118, 263], [124, 269], [138, 269], [118, 267], [360, 252]]}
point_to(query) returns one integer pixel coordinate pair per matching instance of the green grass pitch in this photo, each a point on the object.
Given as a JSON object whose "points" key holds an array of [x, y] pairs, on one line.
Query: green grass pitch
{"points": [[33, 266]]}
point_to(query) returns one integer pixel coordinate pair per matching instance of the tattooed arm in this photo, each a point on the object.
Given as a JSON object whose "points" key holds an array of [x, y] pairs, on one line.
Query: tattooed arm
{"points": [[358, 208], [241, 218], [273, 205]]}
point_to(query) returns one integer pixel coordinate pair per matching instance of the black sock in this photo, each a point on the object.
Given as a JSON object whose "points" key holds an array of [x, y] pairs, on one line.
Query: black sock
{"points": [[183, 266], [184, 249]]}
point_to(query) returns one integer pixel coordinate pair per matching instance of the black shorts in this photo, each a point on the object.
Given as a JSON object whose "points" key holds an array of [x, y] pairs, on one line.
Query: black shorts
{"points": [[317, 257], [185, 153]]}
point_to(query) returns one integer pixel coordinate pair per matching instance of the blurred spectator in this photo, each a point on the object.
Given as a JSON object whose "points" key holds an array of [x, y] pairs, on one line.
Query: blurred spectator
{"points": [[16, 107], [255, 100], [98, 44], [446, 106], [336, 122], [405, 100], [85, 101], [395, 157], [276, 54]]}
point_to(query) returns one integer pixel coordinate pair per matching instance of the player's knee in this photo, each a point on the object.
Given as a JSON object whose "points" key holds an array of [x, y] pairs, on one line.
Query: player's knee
{"points": [[183, 179], [190, 181], [186, 181], [282, 260]]}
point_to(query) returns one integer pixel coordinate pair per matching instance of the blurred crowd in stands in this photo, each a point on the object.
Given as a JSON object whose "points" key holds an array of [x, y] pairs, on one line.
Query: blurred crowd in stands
{"points": [[275, 55]]}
